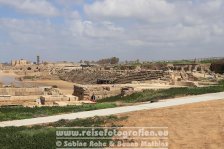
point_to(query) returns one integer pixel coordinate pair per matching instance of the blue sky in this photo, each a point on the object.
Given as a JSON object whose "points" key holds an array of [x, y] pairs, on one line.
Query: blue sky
{"points": [[92, 29]]}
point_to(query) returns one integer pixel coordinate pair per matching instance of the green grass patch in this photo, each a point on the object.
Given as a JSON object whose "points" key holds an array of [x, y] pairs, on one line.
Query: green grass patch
{"points": [[29, 77], [154, 95], [44, 137], [13, 113]]}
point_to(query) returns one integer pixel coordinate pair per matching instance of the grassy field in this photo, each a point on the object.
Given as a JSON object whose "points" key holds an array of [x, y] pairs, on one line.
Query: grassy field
{"points": [[12, 113], [44, 137], [154, 95]]}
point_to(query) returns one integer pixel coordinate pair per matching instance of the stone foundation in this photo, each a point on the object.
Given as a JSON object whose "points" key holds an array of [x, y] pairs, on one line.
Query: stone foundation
{"points": [[100, 91], [30, 96], [21, 91]]}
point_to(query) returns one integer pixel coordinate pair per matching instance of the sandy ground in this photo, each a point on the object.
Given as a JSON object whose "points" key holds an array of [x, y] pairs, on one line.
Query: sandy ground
{"points": [[5, 73], [9, 74], [7, 78], [64, 86], [193, 126]]}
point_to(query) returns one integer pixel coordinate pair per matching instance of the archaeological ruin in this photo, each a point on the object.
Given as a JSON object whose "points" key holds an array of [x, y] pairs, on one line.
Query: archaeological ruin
{"points": [[102, 81]]}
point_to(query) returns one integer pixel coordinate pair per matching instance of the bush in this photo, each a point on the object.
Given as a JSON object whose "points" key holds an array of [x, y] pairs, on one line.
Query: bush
{"points": [[29, 77], [54, 86]]}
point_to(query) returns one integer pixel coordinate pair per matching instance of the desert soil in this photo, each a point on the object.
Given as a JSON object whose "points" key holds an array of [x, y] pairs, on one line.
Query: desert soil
{"points": [[64, 86], [193, 126]]}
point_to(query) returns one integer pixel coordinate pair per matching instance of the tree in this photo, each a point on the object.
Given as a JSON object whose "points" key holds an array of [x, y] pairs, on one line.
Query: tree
{"points": [[113, 60], [87, 62]]}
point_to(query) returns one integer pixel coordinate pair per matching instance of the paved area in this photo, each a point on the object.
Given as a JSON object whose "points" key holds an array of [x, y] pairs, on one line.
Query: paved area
{"points": [[118, 110]]}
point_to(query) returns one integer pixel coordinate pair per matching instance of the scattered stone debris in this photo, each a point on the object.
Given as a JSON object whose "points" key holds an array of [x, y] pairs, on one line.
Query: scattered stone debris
{"points": [[125, 91]]}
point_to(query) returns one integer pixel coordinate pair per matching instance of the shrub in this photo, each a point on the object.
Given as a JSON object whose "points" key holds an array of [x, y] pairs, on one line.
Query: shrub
{"points": [[54, 86]]}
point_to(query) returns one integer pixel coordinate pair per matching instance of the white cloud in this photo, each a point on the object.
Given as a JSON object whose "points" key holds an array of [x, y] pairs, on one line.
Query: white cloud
{"points": [[70, 2], [151, 10], [164, 21], [124, 28], [35, 34], [211, 6], [40, 7], [95, 30]]}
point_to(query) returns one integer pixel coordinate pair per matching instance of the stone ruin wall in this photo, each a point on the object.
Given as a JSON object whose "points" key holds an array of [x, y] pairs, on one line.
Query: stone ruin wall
{"points": [[89, 76], [113, 76], [21, 62], [189, 67], [174, 75], [92, 75], [31, 100], [100, 92], [142, 76], [28, 96], [21, 91]]}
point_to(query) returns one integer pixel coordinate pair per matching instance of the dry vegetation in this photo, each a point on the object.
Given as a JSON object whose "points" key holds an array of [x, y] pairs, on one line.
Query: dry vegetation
{"points": [[194, 126]]}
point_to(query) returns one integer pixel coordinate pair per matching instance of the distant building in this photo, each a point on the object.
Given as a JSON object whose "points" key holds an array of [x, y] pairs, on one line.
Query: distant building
{"points": [[38, 60], [21, 62]]}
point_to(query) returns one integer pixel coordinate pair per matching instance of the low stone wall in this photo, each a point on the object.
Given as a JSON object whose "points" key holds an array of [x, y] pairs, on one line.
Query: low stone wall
{"points": [[17, 100], [60, 98], [21, 91], [32, 100]]}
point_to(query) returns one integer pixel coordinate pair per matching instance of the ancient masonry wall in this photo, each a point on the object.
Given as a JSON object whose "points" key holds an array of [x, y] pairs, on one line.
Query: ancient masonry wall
{"points": [[141, 76], [31, 100], [100, 92]]}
